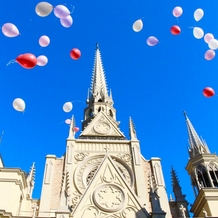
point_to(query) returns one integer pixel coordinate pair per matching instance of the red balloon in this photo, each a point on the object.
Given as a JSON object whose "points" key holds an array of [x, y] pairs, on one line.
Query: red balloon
{"points": [[76, 129], [175, 30], [208, 92], [27, 60], [75, 53]]}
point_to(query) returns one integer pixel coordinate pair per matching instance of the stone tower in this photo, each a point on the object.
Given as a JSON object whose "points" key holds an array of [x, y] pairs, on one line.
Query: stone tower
{"points": [[102, 173], [203, 170]]}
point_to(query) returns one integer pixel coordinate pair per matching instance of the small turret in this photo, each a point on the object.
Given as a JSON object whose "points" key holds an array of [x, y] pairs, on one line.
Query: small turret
{"points": [[31, 181], [176, 187], [132, 131]]}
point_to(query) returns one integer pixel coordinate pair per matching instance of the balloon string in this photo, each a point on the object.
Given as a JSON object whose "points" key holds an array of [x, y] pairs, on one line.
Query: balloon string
{"points": [[78, 101], [11, 62], [177, 20], [60, 122], [73, 7], [29, 25]]}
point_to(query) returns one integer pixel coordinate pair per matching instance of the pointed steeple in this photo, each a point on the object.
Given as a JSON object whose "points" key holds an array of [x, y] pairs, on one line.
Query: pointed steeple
{"points": [[197, 146], [31, 180], [176, 187], [98, 85], [71, 130], [132, 131], [99, 100]]}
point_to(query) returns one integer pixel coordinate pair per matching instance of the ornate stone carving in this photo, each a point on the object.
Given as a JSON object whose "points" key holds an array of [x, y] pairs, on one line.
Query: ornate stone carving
{"points": [[129, 212], [90, 212], [86, 170], [75, 199], [125, 157], [125, 173], [80, 174], [80, 156], [110, 198], [103, 137], [102, 128]]}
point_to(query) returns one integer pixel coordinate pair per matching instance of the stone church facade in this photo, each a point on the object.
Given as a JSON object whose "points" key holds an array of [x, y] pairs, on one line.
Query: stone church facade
{"points": [[103, 174]]}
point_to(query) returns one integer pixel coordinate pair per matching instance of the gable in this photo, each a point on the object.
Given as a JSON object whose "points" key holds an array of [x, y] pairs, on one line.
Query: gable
{"points": [[109, 195], [102, 125]]}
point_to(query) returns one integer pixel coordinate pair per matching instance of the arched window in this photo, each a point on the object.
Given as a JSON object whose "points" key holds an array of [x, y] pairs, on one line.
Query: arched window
{"points": [[202, 177], [213, 170], [111, 113]]}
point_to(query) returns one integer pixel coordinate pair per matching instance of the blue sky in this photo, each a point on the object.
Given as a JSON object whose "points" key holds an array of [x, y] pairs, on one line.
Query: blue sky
{"points": [[153, 85]]}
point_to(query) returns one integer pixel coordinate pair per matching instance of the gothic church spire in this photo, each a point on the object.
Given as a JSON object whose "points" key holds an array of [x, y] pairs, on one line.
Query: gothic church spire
{"points": [[197, 146], [176, 186], [98, 84]]}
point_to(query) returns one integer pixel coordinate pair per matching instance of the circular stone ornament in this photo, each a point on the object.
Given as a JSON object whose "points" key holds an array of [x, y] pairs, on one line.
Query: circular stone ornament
{"points": [[109, 198]]}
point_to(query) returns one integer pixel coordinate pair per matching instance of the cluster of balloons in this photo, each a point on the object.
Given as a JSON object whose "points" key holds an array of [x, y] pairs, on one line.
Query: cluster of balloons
{"points": [[208, 92], [43, 9], [137, 27], [177, 12], [29, 61], [19, 104]]}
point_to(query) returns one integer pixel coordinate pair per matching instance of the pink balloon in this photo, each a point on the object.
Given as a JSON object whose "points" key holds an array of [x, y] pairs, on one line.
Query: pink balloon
{"points": [[10, 30], [61, 11], [152, 41], [177, 11], [68, 121], [42, 60], [208, 37], [44, 41], [66, 21], [209, 54]]}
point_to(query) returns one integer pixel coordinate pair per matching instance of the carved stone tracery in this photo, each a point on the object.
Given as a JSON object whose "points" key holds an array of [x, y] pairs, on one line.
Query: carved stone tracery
{"points": [[110, 198], [86, 171]]}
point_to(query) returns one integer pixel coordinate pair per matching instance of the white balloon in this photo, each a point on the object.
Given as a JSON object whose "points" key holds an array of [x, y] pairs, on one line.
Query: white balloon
{"points": [[66, 21], [67, 107], [42, 60], [208, 37], [137, 25], [10, 30], [19, 104], [198, 14], [213, 44], [68, 121], [198, 32], [44, 41], [177, 11], [61, 11]]}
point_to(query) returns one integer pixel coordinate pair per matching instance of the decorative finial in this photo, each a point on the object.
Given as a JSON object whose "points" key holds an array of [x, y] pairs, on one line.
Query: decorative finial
{"points": [[97, 45], [185, 114]]}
